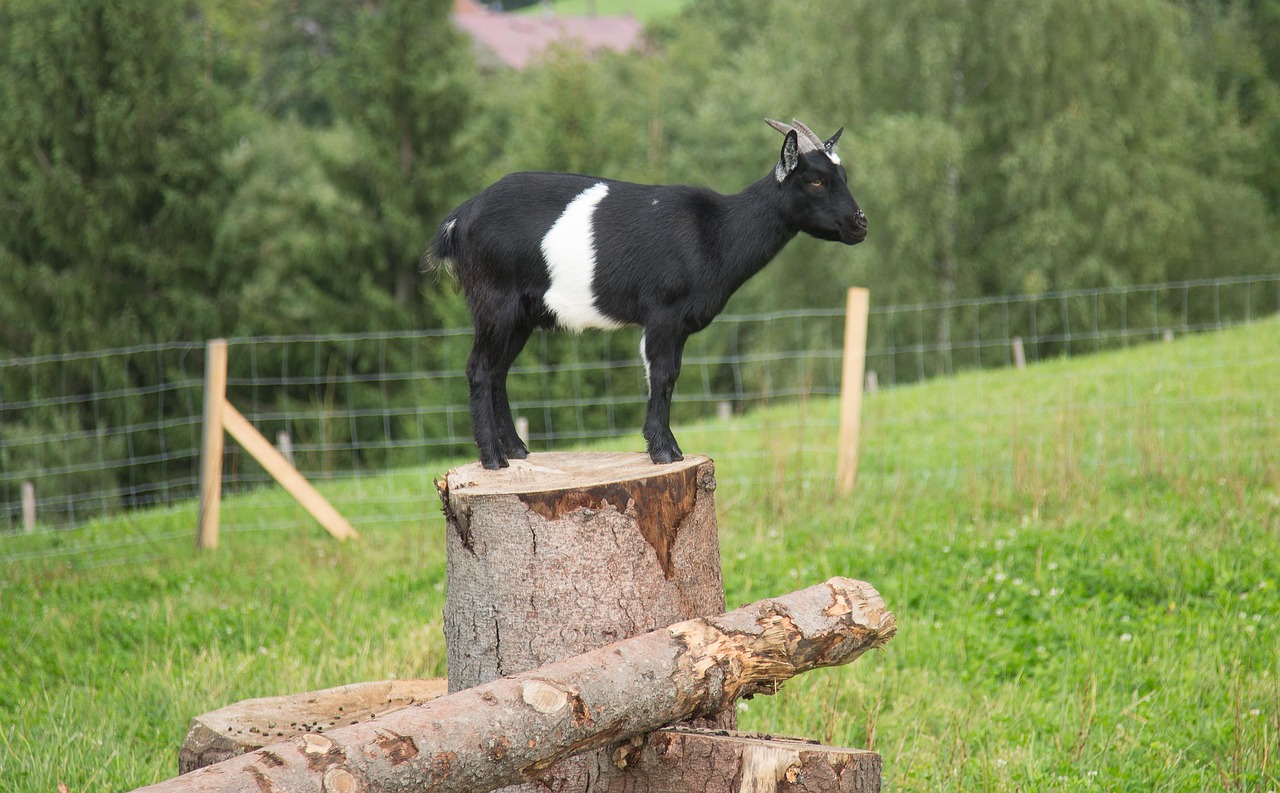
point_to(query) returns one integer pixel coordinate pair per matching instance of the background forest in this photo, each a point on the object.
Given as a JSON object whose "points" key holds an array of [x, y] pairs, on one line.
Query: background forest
{"points": [[244, 167], [181, 171]]}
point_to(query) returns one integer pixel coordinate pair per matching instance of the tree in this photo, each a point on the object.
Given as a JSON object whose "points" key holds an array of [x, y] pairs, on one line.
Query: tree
{"points": [[404, 87], [109, 176]]}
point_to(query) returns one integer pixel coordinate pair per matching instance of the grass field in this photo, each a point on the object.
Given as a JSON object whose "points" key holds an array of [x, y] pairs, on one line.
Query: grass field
{"points": [[1084, 561], [643, 10]]}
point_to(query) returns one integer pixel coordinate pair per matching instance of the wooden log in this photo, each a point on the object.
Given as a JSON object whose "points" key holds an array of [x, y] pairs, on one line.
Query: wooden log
{"points": [[684, 760], [253, 723], [563, 553], [511, 729], [673, 760]]}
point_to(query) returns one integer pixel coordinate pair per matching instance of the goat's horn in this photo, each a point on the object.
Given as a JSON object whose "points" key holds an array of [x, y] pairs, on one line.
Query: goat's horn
{"points": [[808, 133], [778, 125], [804, 136]]}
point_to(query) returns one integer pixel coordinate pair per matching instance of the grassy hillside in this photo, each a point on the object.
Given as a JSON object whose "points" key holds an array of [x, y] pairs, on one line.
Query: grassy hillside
{"points": [[1083, 557]]}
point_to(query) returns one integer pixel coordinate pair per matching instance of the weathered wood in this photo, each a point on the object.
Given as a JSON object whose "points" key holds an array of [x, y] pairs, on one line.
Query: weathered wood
{"points": [[563, 553], [253, 723], [680, 760], [513, 728]]}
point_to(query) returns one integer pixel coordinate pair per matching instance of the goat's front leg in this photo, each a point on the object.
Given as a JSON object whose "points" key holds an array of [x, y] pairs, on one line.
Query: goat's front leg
{"points": [[662, 350]]}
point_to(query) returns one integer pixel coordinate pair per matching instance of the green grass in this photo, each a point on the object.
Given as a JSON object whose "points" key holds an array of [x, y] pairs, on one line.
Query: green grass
{"points": [[643, 10], [1084, 560]]}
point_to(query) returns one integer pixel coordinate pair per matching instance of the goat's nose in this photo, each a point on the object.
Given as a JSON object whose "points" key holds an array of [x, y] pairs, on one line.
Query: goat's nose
{"points": [[860, 221]]}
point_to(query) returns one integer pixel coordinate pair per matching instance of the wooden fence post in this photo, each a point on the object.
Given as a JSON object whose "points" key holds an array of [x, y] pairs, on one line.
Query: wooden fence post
{"points": [[221, 416], [215, 396], [851, 384], [28, 506], [1019, 354], [285, 444]]}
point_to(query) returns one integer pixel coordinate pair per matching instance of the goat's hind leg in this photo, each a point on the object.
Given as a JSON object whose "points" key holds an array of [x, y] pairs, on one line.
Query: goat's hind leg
{"points": [[512, 445], [480, 371], [662, 353]]}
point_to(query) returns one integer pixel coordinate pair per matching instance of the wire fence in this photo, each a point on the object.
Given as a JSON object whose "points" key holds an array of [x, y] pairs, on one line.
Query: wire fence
{"points": [[84, 435]]}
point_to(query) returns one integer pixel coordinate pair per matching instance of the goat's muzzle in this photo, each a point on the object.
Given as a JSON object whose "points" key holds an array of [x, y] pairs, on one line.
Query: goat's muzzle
{"points": [[857, 232]]}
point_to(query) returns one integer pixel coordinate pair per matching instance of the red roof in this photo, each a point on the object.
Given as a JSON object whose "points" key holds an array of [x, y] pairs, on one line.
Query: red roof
{"points": [[518, 39]]}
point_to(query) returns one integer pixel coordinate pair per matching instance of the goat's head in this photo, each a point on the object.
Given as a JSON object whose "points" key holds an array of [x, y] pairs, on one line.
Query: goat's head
{"points": [[816, 185]]}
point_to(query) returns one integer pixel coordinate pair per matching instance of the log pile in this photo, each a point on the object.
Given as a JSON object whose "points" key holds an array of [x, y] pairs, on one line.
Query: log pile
{"points": [[585, 619]]}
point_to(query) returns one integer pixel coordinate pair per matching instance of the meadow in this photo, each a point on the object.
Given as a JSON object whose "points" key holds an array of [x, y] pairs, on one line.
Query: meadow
{"points": [[643, 10], [1083, 558]]}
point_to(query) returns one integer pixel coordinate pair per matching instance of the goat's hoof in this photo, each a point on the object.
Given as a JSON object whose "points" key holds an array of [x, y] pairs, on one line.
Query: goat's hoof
{"points": [[517, 452], [494, 463], [661, 456]]}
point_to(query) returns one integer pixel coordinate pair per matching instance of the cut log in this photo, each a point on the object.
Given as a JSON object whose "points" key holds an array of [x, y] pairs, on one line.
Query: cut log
{"points": [[563, 553], [681, 760], [511, 729], [677, 760], [253, 723]]}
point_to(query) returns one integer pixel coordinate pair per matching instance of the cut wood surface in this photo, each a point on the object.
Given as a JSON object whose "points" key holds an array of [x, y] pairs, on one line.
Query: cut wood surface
{"points": [[253, 723], [511, 729]]}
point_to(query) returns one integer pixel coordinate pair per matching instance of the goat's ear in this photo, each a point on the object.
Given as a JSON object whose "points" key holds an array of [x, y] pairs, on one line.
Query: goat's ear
{"points": [[830, 143], [790, 156]]}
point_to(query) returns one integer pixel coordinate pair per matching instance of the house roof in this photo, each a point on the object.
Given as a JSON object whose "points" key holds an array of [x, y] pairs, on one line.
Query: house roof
{"points": [[518, 39]]}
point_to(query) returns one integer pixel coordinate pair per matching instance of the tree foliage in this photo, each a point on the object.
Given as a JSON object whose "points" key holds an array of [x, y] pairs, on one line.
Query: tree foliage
{"points": [[174, 171], [110, 181]]}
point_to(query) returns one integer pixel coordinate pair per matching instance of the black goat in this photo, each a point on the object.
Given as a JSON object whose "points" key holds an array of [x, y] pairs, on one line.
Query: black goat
{"points": [[574, 252]]}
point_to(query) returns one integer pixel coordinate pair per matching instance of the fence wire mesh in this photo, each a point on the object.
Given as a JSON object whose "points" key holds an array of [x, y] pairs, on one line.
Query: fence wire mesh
{"points": [[90, 434]]}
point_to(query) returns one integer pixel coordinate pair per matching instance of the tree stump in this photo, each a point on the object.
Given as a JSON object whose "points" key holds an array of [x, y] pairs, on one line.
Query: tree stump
{"points": [[563, 553]]}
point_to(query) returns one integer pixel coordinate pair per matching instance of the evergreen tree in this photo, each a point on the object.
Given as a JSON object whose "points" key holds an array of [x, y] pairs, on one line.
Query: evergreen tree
{"points": [[109, 176], [404, 87]]}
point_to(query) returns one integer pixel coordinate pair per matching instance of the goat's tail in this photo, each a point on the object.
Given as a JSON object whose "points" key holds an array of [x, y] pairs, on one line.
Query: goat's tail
{"points": [[439, 256]]}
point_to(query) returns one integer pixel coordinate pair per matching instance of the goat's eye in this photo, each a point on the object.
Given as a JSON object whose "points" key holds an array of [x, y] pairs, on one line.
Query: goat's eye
{"points": [[816, 183]]}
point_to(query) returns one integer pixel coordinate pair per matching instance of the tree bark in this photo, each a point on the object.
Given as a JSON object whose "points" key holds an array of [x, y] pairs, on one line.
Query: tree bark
{"points": [[513, 728]]}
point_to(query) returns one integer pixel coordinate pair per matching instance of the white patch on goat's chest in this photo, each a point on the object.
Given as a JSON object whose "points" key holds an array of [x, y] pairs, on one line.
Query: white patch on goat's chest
{"points": [[570, 252]]}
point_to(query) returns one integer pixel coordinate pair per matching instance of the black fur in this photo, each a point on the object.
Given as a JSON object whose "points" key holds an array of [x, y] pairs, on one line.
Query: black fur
{"points": [[668, 258]]}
